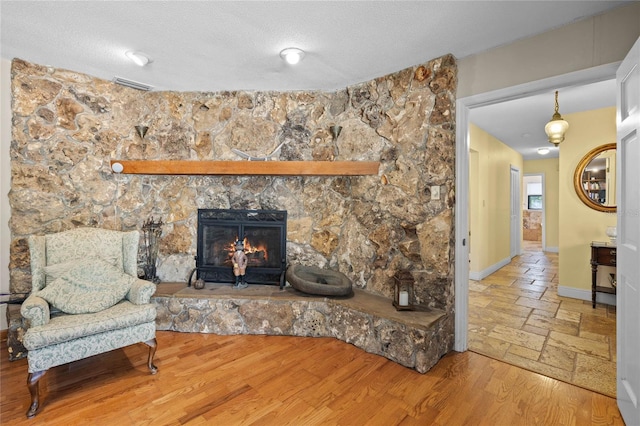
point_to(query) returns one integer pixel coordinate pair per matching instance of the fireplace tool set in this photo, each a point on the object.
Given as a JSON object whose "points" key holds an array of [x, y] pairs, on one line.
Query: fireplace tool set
{"points": [[152, 231]]}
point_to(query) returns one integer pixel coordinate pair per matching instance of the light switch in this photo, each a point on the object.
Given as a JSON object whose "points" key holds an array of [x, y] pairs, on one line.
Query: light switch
{"points": [[435, 192]]}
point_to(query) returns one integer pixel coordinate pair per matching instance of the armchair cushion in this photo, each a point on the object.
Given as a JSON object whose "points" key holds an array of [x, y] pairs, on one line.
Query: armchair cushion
{"points": [[55, 271], [65, 328], [92, 285]]}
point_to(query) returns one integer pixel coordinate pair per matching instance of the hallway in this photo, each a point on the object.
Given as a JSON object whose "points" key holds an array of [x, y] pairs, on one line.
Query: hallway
{"points": [[516, 315]]}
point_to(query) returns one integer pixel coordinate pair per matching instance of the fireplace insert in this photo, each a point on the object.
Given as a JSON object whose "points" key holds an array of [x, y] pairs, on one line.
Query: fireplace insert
{"points": [[264, 233]]}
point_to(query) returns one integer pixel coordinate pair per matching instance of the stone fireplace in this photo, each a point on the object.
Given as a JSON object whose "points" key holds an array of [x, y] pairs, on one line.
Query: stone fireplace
{"points": [[68, 126], [264, 233]]}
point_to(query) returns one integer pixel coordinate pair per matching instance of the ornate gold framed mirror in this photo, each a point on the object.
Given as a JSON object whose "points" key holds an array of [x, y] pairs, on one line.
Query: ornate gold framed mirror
{"points": [[595, 178]]}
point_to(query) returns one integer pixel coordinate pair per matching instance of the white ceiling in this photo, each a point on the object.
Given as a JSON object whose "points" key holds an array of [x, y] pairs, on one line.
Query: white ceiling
{"points": [[235, 45]]}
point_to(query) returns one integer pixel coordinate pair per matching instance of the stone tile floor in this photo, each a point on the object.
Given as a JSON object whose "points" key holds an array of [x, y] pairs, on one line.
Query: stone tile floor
{"points": [[516, 316]]}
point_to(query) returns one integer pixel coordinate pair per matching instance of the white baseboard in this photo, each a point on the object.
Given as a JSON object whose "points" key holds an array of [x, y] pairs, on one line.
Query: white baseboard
{"points": [[576, 293], [552, 249], [477, 276]]}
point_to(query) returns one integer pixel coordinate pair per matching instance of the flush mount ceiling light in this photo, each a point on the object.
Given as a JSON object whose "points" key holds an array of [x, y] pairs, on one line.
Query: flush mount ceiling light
{"points": [[557, 127], [543, 151], [138, 58], [292, 55]]}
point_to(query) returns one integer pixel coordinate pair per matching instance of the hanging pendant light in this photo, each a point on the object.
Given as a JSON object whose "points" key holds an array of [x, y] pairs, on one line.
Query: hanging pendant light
{"points": [[557, 127]]}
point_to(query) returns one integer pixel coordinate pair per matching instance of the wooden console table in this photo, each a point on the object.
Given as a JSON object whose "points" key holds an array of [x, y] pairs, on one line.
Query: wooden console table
{"points": [[601, 254]]}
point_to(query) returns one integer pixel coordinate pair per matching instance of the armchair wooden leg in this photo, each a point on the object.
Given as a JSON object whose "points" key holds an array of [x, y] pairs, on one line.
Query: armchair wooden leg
{"points": [[33, 380], [153, 345]]}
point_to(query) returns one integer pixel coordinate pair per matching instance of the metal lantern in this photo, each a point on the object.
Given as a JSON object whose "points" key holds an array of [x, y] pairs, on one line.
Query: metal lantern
{"points": [[403, 291]]}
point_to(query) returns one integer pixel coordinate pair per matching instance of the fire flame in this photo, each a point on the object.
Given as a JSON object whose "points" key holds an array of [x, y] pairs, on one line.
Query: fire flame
{"points": [[248, 249]]}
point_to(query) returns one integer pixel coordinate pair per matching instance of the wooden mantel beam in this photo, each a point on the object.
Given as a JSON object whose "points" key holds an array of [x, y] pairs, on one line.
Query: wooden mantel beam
{"points": [[248, 168]]}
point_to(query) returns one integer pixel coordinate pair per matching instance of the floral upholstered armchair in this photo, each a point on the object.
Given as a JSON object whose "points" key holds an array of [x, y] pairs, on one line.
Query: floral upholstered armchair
{"points": [[86, 299]]}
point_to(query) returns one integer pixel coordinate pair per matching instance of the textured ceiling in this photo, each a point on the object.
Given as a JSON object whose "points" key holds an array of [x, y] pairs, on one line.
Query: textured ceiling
{"points": [[211, 45], [229, 45]]}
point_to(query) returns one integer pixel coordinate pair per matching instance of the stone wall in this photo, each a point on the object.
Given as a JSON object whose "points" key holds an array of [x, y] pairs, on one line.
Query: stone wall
{"points": [[67, 126]]}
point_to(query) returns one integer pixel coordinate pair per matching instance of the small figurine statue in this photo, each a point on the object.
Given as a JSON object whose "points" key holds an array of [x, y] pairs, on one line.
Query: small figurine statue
{"points": [[239, 265]]}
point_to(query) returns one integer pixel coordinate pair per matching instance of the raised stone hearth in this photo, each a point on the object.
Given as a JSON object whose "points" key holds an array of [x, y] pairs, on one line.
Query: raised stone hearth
{"points": [[414, 339]]}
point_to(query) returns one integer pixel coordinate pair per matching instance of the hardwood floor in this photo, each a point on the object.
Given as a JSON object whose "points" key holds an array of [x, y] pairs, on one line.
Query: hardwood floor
{"points": [[516, 315], [281, 380]]}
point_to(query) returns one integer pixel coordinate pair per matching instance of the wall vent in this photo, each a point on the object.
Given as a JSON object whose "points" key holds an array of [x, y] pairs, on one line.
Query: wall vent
{"points": [[132, 84]]}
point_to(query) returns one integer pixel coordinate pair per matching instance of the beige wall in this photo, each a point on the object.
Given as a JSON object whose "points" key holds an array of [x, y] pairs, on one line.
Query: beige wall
{"points": [[600, 40], [579, 224], [490, 205], [550, 168]]}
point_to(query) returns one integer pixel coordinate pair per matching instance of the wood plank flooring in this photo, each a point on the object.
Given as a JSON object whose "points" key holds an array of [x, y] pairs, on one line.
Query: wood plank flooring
{"points": [[516, 315], [281, 380]]}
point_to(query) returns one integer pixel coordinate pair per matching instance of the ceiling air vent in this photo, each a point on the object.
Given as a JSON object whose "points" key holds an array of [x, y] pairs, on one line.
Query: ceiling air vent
{"points": [[133, 84]]}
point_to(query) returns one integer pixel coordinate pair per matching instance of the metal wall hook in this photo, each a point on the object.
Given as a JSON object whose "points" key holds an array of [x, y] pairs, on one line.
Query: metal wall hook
{"points": [[335, 131], [142, 131]]}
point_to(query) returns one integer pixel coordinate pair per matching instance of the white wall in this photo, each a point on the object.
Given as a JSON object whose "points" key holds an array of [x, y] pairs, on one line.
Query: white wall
{"points": [[5, 180]]}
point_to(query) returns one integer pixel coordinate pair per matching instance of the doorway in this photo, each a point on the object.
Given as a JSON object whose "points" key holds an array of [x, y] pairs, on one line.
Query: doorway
{"points": [[533, 212], [535, 351], [463, 108]]}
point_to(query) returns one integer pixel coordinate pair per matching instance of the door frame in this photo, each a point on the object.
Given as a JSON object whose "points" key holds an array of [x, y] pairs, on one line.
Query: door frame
{"points": [[544, 205], [463, 108], [515, 203]]}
